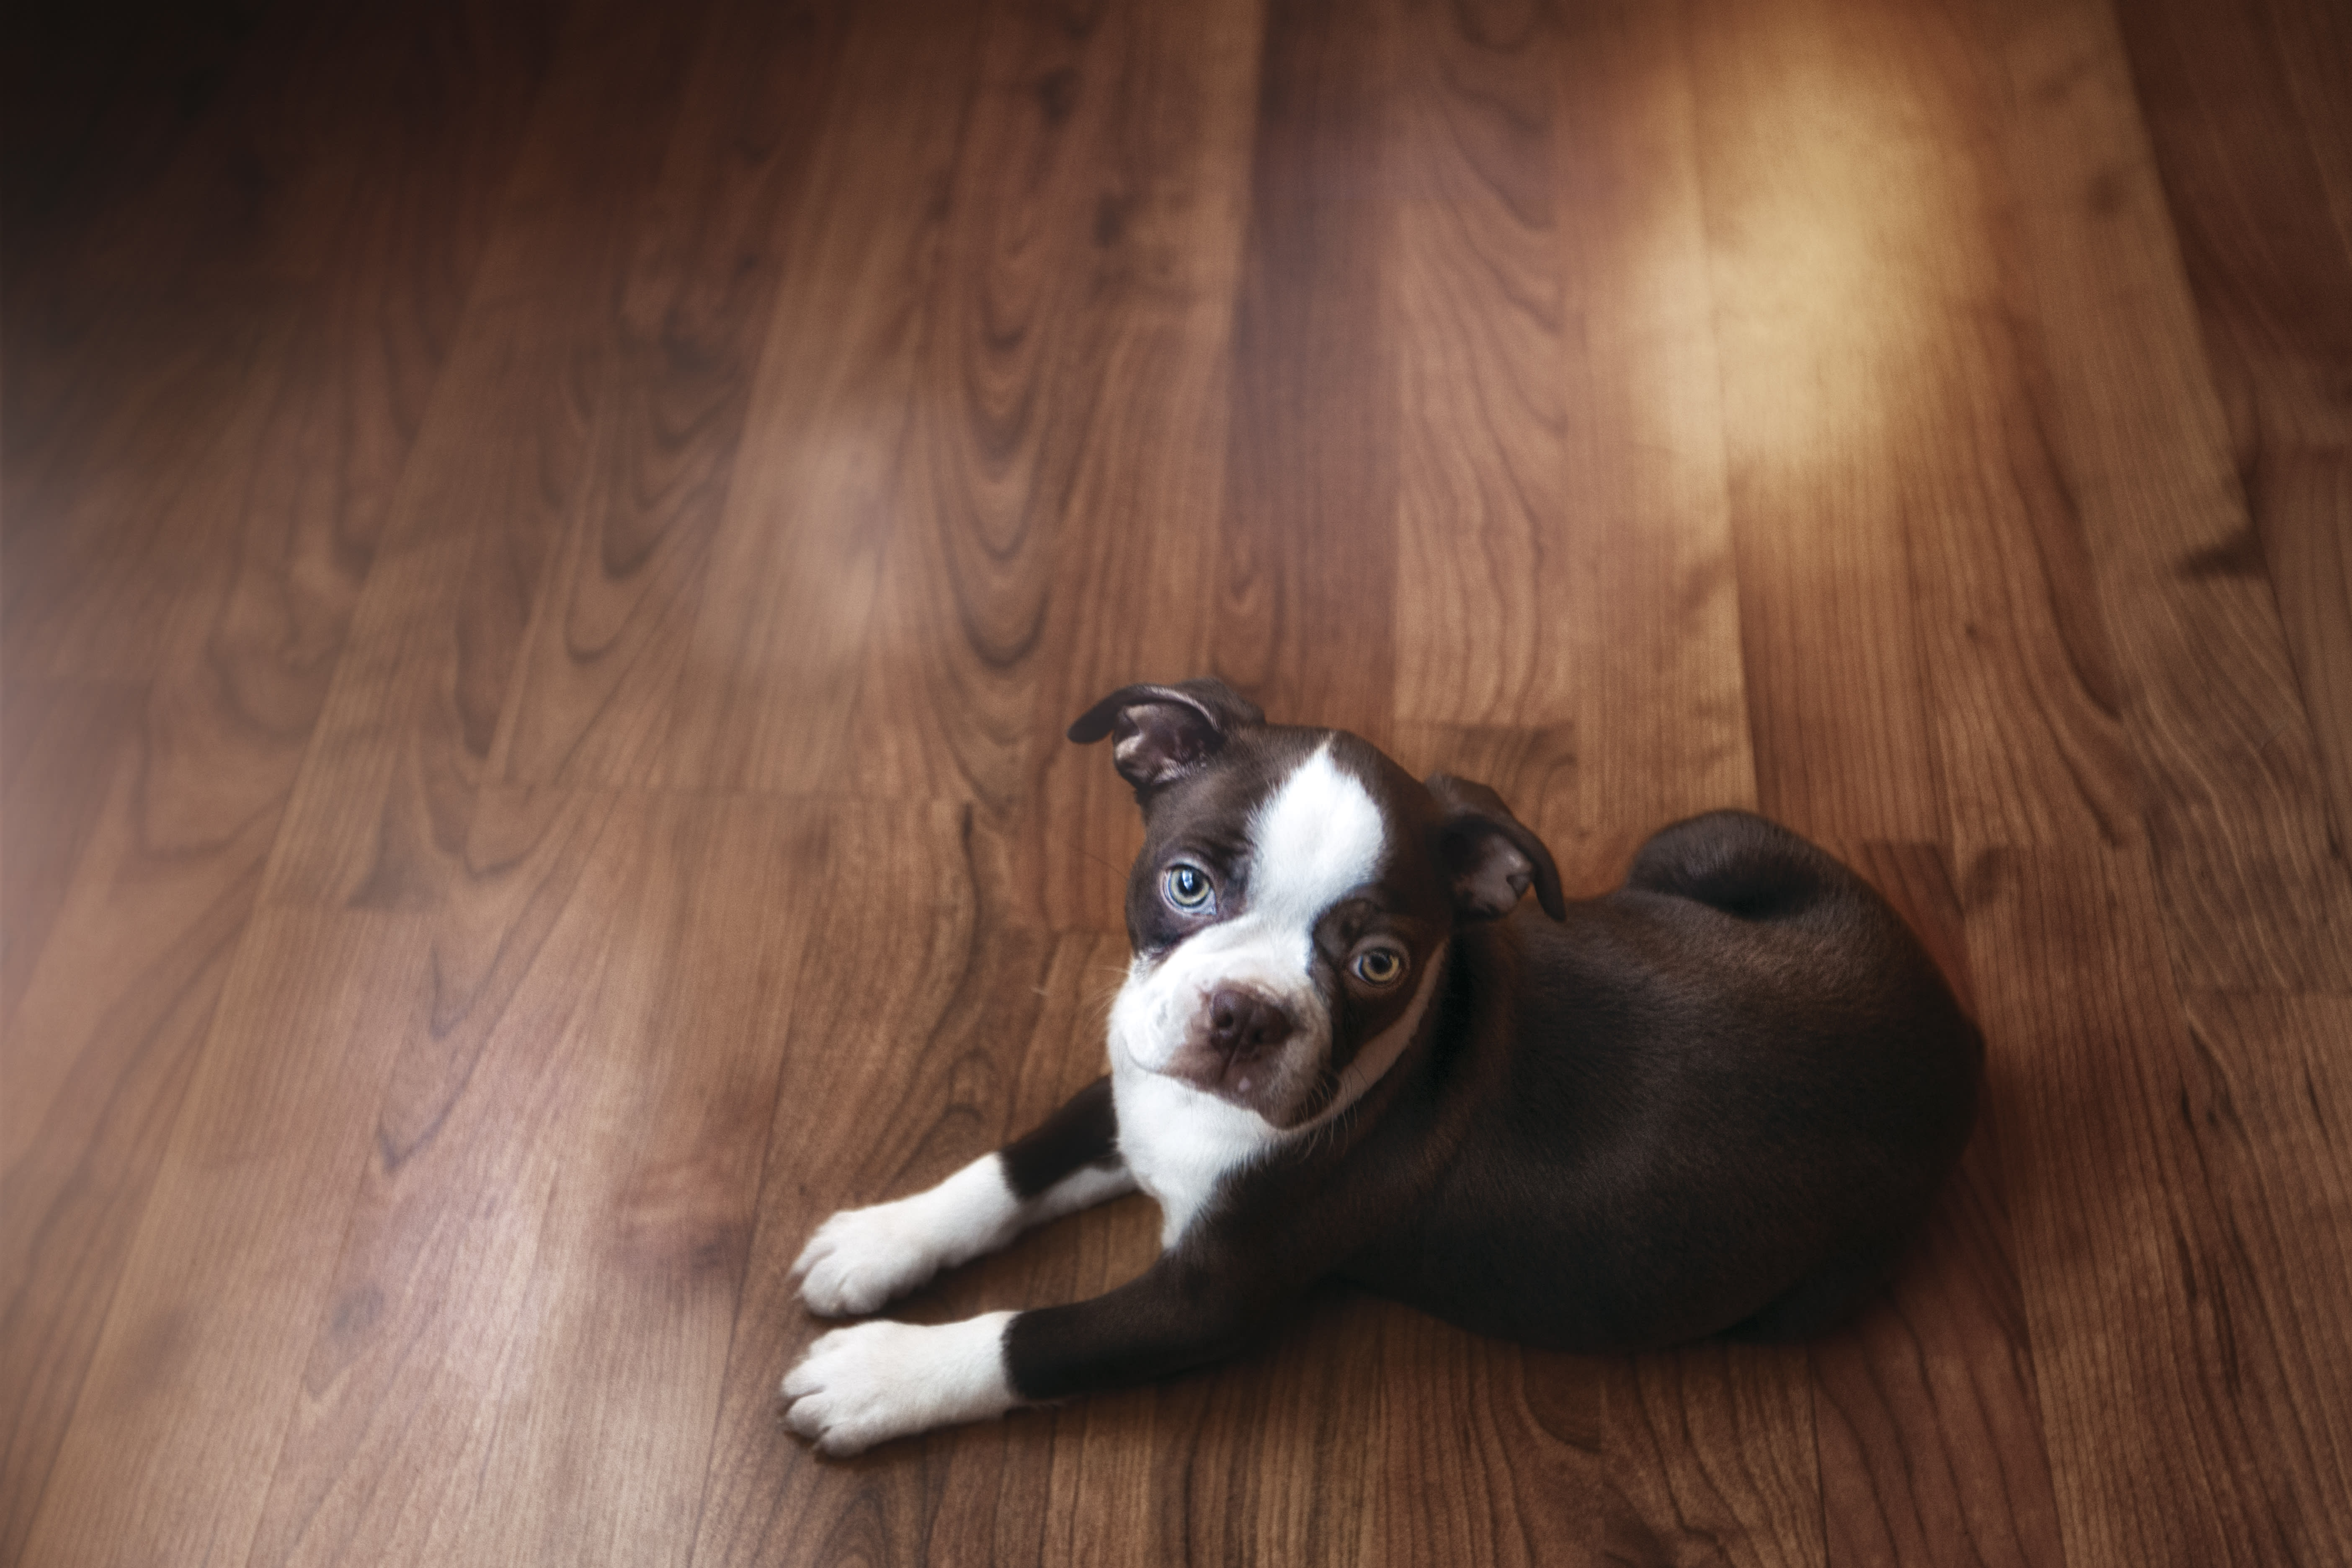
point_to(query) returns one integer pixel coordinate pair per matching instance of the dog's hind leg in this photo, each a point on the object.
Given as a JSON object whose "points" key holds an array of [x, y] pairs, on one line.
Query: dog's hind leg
{"points": [[860, 1258]]}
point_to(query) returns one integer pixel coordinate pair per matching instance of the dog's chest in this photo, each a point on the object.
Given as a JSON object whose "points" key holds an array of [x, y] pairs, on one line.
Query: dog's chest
{"points": [[1179, 1143]]}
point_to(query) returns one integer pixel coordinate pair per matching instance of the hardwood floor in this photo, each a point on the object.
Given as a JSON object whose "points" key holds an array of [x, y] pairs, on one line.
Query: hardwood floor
{"points": [[548, 547]]}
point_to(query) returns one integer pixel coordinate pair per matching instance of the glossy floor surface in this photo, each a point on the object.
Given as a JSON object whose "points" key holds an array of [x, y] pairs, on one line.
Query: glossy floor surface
{"points": [[550, 545]]}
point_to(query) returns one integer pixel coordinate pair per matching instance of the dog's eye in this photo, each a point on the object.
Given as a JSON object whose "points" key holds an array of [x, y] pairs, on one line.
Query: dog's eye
{"points": [[1379, 966], [1187, 886]]}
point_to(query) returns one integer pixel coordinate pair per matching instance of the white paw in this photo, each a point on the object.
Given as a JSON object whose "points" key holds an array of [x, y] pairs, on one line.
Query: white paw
{"points": [[862, 1258], [861, 1386]]}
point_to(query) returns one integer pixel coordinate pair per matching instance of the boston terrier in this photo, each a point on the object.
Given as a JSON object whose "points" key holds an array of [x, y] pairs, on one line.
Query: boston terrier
{"points": [[1715, 1101]]}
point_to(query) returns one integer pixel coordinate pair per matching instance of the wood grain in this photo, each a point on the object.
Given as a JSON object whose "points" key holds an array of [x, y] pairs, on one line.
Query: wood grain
{"points": [[2163, 1354], [546, 550], [58, 744], [98, 1057], [1643, 575], [796, 562], [2255, 895], [1711, 1460], [212, 549], [190, 1382], [893, 1022], [1476, 297], [1927, 1418], [666, 392], [379, 816], [2256, 160], [581, 1261], [1088, 224], [1306, 543], [1139, 522], [1811, 214]]}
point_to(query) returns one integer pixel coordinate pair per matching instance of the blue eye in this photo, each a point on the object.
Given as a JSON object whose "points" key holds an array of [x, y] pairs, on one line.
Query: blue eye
{"points": [[1187, 886]]}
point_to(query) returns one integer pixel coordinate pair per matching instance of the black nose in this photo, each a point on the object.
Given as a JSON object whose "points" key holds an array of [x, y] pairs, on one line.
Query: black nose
{"points": [[1244, 1024]]}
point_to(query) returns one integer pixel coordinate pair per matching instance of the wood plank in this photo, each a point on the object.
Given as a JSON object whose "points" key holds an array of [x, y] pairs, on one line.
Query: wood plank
{"points": [[1488, 1453], [1926, 1414], [1711, 1458], [1306, 548], [99, 1055], [2255, 894], [671, 389], [1925, 1409], [2018, 677], [194, 1373], [1651, 596], [120, 124], [220, 547], [59, 741], [1018, 321], [796, 560], [1135, 565], [380, 814], [1477, 310], [1083, 295], [893, 1075], [2255, 155], [1635, 603], [2172, 1362], [1811, 225], [1647, 723], [275, 319], [551, 1233], [2267, 1114]]}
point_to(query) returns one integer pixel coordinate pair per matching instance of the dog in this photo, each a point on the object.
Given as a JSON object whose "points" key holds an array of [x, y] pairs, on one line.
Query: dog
{"points": [[1717, 1100]]}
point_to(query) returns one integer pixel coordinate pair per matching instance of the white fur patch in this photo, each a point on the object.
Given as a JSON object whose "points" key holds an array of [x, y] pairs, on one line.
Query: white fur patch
{"points": [[1313, 841], [867, 1384], [860, 1258], [1180, 1143], [1316, 839], [1082, 1189]]}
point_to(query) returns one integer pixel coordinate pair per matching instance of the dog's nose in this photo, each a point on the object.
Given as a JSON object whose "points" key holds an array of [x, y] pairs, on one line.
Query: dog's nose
{"points": [[1244, 1024]]}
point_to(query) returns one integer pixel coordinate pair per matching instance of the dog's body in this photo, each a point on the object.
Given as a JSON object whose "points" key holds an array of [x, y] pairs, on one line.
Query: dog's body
{"points": [[1718, 1099]]}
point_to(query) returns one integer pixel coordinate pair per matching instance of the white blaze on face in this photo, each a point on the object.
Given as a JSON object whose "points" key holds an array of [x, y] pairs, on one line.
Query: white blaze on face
{"points": [[1313, 840], [1317, 839]]}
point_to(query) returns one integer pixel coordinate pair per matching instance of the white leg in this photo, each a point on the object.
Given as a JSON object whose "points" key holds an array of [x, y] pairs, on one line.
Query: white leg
{"points": [[862, 1258], [861, 1386]]}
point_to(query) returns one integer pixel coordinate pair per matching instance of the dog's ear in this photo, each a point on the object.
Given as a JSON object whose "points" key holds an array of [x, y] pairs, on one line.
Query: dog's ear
{"points": [[1489, 856], [1160, 733]]}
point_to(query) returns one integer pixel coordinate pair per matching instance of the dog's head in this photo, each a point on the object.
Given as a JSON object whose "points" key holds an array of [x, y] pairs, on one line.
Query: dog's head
{"points": [[1295, 893]]}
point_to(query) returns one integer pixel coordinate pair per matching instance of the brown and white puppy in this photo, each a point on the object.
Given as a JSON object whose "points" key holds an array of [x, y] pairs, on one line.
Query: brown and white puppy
{"points": [[1717, 1100]]}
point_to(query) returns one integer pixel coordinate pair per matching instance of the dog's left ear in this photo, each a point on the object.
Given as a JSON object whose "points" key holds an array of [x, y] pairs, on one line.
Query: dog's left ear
{"points": [[1489, 856], [1160, 733]]}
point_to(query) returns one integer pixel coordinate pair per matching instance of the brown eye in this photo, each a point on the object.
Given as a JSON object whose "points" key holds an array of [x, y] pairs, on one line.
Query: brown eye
{"points": [[1379, 966]]}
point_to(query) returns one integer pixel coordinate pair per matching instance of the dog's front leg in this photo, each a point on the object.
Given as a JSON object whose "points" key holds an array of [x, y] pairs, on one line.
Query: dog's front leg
{"points": [[862, 1258], [863, 1386]]}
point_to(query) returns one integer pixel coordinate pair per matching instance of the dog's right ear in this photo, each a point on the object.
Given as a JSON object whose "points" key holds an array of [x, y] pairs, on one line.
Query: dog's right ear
{"points": [[1492, 857], [1160, 733]]}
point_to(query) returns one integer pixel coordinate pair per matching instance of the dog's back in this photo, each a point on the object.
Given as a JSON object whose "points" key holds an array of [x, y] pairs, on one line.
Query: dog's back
{"points": [[1718, 1099]]}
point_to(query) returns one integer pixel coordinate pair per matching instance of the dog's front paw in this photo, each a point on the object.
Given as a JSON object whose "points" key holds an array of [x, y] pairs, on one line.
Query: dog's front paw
{"points": [[863, 1386], [862, 1258]]}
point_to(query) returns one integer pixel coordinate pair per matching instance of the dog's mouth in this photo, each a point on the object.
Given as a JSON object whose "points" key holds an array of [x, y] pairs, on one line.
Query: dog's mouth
{"points": [[1243, 1082], [1276, 1083]]}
